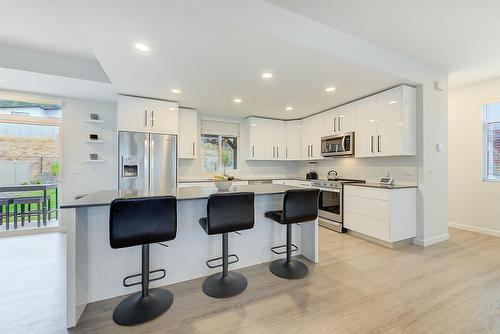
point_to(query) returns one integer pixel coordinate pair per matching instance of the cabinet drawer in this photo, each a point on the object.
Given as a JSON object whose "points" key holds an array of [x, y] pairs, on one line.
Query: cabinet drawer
{"points": [[375, 193], [375, 208], [372, 227]]}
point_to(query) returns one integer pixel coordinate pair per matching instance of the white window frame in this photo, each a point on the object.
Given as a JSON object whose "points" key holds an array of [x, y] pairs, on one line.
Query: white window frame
{"points": [[219, 153], [487, 147]]}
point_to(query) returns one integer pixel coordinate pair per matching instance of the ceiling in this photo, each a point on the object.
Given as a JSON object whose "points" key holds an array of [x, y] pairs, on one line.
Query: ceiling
{"points": [[214, 60], [459, 37]]}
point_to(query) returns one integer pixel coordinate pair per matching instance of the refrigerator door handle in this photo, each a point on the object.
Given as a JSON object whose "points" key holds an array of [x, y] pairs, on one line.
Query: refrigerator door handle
{"points": [[146, 163], [151, 162]]}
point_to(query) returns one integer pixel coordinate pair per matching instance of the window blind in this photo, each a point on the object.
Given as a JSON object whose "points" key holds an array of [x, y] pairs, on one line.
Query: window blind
{"points": [[491, 141], [220, 128]]}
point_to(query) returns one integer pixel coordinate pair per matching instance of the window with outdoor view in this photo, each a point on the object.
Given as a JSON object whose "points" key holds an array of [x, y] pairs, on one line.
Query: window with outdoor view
{"points": [[219, 153], [491, 142]]}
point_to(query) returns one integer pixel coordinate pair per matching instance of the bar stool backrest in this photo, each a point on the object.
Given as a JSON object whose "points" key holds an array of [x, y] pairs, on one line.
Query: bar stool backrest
{"points": [[300, 205], [141, 221], [230, 212]]}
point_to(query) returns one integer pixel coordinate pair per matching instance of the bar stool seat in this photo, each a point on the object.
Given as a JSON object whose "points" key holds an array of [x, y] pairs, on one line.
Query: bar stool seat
{"points": [[227, 213], [299, 206], [135, 222]]}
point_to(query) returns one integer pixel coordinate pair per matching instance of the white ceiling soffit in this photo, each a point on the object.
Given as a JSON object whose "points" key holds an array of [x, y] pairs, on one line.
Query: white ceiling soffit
{"points": [[50, 63], [213, 60], [459, 37], [41, 25], [39, 83]]}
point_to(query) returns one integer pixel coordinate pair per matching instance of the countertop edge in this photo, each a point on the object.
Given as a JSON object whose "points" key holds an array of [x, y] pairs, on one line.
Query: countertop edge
{"points": [[381, 186]]}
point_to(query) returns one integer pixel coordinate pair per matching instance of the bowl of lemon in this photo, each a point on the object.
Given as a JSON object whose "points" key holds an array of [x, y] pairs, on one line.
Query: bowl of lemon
{"points": [[223, 182]]}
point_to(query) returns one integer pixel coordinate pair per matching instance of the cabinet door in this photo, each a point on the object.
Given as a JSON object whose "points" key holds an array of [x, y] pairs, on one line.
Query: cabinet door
{"points": [[164, 117], [305, 138], [389, 125], [188, 134], [366, 127], [317, 131], [328, 119], [257, 134], [292, 140], [279, 141], [344, 117], [133, 114], [270, 139]]}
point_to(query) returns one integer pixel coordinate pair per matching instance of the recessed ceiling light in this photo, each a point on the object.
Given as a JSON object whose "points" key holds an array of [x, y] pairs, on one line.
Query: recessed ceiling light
{"points": [[175, 91], [392, 102], [289, 108], [172, 108], [141, 47], [267, 75], [329, 89], [237, 100]]}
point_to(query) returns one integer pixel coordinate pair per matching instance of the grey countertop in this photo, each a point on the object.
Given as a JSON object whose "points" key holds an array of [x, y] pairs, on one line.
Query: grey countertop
{"points": [[237, 178], [381, 186], [105, 197]]}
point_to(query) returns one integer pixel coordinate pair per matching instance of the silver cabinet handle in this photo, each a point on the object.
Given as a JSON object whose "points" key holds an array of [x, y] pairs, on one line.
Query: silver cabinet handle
{"points": [[312, 151], [371, 144], [193, 149], [378, 144], [340, 124], [335, 124], [253, 151], [286, 152], [277, 152], [152, 118], [145, 118], [308, 151], [273, 150]]}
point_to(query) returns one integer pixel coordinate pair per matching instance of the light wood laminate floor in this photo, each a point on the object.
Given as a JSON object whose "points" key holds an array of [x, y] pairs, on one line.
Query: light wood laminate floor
{"points": [[358, 287]]}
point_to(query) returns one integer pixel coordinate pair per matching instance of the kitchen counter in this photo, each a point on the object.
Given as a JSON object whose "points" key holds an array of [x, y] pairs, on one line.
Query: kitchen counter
{"points": [[105, 197], [95, 271], [250, 178], [382, 186]]}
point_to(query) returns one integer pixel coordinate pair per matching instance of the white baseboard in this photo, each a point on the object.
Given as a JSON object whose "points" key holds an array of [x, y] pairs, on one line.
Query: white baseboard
{"points": [[431, 241], [483, 230]]}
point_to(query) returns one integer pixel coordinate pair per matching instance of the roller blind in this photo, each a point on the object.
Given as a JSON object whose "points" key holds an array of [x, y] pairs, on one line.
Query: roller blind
{"points": [[220, 128], [491, 142]]}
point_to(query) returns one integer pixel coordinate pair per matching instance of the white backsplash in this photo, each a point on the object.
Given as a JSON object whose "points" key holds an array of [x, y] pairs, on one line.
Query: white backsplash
{"points": [[402, 169]]}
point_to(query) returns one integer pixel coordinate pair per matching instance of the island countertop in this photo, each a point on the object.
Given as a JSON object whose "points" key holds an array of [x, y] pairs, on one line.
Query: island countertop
{"points": [[105, 197]]}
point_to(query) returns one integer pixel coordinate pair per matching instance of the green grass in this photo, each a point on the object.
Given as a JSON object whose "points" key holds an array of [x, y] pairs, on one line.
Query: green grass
{"points": [[51, 193]]}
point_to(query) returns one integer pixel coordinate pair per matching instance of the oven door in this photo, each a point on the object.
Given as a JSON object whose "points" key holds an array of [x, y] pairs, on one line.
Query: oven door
{"points": [[330, 204]]}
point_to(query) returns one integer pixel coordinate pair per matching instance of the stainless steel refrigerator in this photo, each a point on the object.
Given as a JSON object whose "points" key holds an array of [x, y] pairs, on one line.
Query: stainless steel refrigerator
{"points": [[147, 161]]}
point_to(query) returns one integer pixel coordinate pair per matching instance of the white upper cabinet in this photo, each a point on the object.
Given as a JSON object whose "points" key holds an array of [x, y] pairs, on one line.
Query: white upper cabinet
{"points": [[339, 120], [366, 127], [386, 123], [292, 140], [312, 131], [188, 134], [256, 128], [269, 139], [147, 115]]}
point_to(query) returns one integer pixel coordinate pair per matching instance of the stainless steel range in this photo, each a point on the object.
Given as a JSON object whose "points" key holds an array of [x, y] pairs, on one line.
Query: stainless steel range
{"points": [[331, 202]]}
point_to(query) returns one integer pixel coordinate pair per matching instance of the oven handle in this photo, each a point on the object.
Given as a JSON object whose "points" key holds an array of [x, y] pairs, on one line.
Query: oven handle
{"points": [[327, 189]]}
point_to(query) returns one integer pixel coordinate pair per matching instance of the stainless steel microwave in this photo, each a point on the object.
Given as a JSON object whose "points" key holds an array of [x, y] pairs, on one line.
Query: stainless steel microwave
{"points": [[337, 145]]}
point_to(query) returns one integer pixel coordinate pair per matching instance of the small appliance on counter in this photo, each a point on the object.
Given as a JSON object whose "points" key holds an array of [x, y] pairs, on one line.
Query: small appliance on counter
{"points": [[332, 175], [312, 174]]}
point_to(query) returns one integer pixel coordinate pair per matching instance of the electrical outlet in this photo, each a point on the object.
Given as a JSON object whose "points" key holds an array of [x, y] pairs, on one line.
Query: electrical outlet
{"points": [[408, 171], [387, 172]]}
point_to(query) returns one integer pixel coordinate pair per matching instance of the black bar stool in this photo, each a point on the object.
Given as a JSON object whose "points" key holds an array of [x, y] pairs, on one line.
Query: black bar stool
{"points": [[142, 221], [299, 206], [227, 213]]}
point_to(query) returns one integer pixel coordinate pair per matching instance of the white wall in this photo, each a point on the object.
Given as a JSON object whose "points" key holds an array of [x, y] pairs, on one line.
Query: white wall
{"points": [[191, 168], [473, 204], [77, 176]]}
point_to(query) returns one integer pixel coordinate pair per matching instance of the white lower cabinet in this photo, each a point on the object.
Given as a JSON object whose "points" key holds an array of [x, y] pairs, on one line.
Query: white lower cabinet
{"points": [[385, 214], [208, 184]]}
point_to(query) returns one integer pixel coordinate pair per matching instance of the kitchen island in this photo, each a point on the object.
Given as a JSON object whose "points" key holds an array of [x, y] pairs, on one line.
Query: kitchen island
{"points": [[95, 271]]}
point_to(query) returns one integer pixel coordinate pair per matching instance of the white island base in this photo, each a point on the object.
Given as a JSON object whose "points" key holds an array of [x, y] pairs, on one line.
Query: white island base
{"points": [[95, 271]]}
